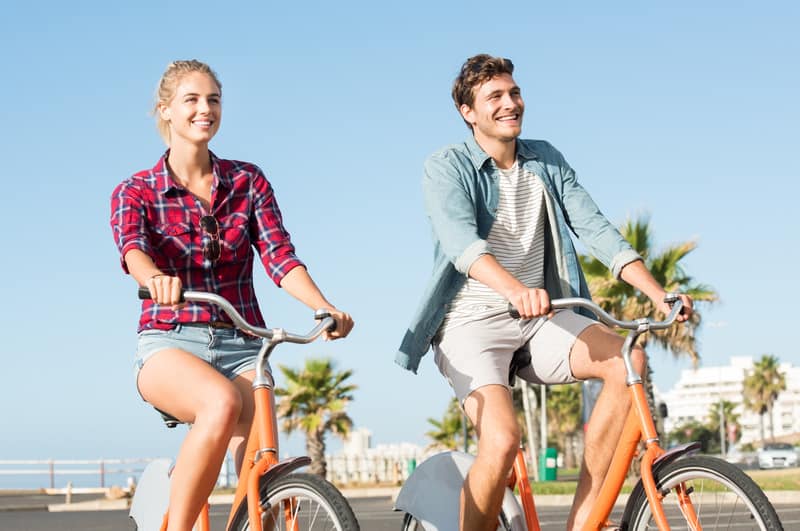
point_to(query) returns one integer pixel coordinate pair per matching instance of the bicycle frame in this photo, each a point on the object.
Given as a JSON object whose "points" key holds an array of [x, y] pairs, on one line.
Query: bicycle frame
{"points": [[618, 470], [260, 463], [639, 427]]}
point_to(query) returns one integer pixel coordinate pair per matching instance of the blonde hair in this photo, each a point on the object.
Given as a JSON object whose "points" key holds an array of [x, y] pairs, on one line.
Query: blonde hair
{"points": [[169, 83]]}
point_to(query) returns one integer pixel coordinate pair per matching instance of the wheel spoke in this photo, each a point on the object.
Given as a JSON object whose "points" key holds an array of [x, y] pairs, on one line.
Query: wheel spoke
{"points": [[302, 502]]}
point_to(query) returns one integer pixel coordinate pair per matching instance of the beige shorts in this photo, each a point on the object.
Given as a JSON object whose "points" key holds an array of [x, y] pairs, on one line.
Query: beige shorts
{"points": [[478, 353]]}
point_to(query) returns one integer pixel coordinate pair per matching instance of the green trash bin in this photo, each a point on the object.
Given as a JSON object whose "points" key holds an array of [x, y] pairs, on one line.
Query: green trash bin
{"points": [[547, 464], [412, 465]]}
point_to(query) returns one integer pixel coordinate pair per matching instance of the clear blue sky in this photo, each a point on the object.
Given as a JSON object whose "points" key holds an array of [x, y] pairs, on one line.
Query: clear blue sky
{"points": [[687, 113]]}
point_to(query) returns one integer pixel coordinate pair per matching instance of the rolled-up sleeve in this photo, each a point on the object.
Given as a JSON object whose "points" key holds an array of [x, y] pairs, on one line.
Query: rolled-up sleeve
{"points": [[451, 212], [128, 221], [268, 233]]}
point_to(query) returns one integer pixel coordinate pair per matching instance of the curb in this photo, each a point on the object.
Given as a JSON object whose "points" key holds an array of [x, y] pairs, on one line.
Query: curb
{"points": [[91, 505], [371, 492], [782, 496], [39, 507]]}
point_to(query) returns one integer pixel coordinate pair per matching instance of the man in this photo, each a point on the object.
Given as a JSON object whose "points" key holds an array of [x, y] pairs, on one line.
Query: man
{"points": [[502, 210]]}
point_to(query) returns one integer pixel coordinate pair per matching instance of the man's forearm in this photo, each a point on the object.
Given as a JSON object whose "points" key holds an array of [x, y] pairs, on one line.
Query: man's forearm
{"points": [[637, 275], [488, 271]]}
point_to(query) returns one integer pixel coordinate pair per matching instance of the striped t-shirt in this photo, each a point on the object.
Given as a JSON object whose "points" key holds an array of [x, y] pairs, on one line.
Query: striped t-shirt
{"points": [[517, 242]]}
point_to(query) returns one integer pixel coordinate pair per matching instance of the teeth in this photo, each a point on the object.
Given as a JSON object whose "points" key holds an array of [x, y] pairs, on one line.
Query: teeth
{"points": [[202, 123]]}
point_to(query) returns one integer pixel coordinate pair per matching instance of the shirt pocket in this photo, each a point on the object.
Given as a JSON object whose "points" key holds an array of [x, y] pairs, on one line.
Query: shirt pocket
{"points": [[173, 240], [236, 239]]}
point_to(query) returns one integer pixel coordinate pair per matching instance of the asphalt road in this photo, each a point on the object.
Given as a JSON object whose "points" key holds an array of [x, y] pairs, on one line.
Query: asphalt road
{"points": [[30, 514], [374, 514]]}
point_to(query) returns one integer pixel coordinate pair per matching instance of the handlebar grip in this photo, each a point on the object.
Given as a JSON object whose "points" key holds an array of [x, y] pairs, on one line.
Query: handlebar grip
{"points": [[672, 299], [322, 314], [144, 293]]}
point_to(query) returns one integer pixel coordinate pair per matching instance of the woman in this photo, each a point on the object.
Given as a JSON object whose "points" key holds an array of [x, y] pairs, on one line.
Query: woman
{"points": [[195, 221]]}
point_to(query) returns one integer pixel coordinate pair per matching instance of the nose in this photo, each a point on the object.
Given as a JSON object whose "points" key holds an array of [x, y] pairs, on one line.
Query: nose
{"points": [[508, 100]]}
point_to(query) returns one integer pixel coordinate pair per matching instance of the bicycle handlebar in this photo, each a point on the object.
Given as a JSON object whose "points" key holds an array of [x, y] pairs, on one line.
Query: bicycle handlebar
{"points": [[327, 323], [605, 317]]}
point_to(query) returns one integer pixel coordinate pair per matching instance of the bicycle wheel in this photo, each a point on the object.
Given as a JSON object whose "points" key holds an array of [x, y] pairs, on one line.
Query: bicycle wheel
{"points": [[722, 496], [307, 500]]}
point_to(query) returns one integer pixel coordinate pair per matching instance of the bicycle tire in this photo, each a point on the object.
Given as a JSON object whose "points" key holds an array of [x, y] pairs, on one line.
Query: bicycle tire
{"points": [[315, 503], [722, 495]]}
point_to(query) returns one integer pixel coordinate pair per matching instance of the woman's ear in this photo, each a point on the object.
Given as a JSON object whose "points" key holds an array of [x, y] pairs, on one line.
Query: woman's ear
{"points": [[164, 112]]}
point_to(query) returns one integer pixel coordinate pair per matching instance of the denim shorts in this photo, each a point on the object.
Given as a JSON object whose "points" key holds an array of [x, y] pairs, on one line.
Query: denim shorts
{"points": [[226, 349]]}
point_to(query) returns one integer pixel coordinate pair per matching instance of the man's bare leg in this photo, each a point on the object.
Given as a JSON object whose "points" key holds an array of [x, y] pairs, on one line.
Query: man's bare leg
{"points": [[491, 411], [596, 354]]}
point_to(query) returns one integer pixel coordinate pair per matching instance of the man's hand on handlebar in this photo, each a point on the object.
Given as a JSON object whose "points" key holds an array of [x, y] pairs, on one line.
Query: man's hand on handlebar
{"points": [[686, 312], [530, 302]]}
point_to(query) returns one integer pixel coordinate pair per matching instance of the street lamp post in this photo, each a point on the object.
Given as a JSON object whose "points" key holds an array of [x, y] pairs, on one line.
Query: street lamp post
{"points": [[722, 431]]}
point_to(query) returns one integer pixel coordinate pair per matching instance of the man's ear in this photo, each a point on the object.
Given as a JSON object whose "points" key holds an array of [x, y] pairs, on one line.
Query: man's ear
{"points": [[467, 113]]}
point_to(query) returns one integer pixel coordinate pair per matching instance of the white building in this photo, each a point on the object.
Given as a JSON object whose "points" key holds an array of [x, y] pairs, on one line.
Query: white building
{"points": [[357, 442], [358, 462], [698, 390]]}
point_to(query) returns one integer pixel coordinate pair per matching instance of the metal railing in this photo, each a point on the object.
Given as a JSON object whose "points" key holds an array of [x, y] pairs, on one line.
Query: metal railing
{"points": [[107, 473], [51, 469]]}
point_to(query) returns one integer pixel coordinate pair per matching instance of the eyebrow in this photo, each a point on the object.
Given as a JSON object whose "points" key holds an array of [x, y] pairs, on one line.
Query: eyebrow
{"points": [[515, 88], [217, 94]]}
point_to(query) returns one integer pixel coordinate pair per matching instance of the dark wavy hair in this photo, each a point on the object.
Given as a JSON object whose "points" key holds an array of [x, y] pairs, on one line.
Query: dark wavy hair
{"points": [[476, 70]]}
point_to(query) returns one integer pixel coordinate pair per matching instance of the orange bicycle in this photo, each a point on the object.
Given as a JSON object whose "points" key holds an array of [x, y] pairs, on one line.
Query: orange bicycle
{"points": [[677, 490], [271, 495]]}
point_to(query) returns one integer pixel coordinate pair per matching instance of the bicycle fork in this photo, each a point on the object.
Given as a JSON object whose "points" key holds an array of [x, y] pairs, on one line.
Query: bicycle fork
{"points": [[641, 420]]}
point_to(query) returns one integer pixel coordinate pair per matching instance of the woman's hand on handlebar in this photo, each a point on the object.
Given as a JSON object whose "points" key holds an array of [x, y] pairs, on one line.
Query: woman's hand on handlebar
{"points": [[165, 290], [530, 302], [344, 323]]}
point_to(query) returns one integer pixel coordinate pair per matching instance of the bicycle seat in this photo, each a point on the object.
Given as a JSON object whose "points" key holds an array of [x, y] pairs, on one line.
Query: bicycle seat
{"points": [[169, 420], [520, 359]]}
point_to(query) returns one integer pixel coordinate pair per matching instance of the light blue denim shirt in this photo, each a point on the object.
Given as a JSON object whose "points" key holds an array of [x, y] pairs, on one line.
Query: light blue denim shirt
{"points": [[461, 192]]}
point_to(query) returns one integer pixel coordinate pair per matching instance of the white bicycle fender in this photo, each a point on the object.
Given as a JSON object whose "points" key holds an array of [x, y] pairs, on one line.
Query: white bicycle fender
{"points": [[432, 493], [151, 498]]}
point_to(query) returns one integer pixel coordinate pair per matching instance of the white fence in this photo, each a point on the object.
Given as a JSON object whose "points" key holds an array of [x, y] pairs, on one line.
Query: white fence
{"points": [[84, 475], [52, 472], [88, 475]]}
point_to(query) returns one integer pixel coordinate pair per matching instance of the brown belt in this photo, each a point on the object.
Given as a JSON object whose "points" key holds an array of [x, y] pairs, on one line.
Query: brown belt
{"points": [[212, 324]]}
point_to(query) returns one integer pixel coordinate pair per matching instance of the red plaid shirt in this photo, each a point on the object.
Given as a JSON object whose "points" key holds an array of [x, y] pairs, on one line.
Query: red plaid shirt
{"points": [[150, 212]]}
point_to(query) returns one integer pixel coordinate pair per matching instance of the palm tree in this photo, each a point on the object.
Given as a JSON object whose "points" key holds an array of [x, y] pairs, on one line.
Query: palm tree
{"points": [[728, 416], [564, 418], [314, 401], [449, 432], [692, 431], [762, 385], [625, 302]]}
